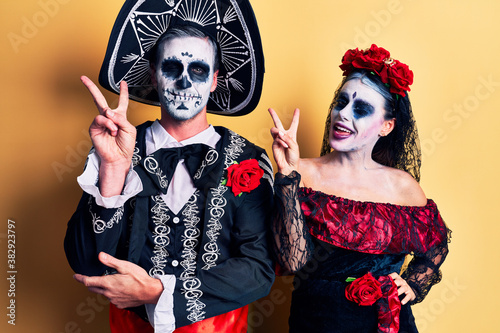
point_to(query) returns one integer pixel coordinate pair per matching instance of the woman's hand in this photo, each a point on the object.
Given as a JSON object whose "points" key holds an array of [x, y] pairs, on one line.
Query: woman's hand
{"points": [[113, 137], [403, 288], [285, 148]]}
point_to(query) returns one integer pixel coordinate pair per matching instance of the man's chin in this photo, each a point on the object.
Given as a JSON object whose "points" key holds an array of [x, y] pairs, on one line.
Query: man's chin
{"points": [[181, 114]]}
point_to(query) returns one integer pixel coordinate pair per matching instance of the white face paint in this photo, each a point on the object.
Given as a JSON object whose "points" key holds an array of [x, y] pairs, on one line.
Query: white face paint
{"points": [[185, 76], [357, 118]]}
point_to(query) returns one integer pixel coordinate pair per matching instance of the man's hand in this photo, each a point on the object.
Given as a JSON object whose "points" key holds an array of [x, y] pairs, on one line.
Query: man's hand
{"points": [[113, 138], [131, 286]]}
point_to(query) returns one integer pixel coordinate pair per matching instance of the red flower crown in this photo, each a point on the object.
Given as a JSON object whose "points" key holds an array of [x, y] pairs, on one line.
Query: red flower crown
{"points": [[392, 72]]}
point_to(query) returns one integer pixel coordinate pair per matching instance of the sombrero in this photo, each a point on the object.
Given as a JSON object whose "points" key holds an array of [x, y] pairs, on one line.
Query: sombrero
{"points": [[231, 23]]}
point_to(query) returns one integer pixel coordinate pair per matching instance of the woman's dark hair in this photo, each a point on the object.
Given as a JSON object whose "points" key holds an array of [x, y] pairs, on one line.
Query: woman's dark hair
{"points": [[400, 148]]}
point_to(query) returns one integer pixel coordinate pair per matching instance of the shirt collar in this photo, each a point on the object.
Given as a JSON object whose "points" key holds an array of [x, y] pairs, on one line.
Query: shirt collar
{"points": [[162, 139]]}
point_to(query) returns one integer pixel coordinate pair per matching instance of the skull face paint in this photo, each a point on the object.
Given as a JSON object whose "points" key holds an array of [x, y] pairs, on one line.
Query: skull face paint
{"points": [[185, 76], [358, 118], [360, 107]]}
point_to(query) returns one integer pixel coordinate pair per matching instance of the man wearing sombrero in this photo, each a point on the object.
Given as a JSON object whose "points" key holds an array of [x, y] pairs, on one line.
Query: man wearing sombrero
{"points": [[172, 226]]}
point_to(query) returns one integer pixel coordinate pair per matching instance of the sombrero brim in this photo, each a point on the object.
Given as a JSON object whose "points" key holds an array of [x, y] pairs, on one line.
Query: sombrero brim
{"points": [[233, 25]]}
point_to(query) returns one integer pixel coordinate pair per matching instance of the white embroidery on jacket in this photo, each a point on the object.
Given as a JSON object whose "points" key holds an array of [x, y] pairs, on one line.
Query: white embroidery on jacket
{"points": [[210, 158], [151, 166], [218, 203], [265, 164], [136, 157], [190, 238], [161, 238], [100, 225]]}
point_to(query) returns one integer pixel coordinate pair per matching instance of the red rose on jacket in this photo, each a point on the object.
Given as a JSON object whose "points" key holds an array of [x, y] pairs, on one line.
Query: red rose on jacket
{"points": [[244, 176], [364, 290]]}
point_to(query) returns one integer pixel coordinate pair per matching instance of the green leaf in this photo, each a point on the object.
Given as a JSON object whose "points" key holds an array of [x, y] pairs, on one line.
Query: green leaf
{"points": [[224, 182], [350, 279]]}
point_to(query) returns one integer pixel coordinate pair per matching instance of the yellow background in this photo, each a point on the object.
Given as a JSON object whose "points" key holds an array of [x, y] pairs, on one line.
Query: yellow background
{"points": [[453, 48]]}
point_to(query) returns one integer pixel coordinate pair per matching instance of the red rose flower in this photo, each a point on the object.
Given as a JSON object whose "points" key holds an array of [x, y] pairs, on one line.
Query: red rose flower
{"points": [[378, 53], [244, 176], [364, 290], [378, 60], [400, 78], [347, 60], [372, 59]]}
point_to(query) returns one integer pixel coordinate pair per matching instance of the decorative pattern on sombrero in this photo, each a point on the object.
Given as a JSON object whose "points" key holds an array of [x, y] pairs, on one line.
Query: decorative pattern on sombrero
{"points": [[231, 23]]}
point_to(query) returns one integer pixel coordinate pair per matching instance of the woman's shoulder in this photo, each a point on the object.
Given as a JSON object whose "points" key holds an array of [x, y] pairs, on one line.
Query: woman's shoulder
{"points": [[406, 188], [309, 168]]}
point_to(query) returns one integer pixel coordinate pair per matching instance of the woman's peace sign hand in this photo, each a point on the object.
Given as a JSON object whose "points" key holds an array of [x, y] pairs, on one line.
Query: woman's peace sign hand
{"points": [[285, 148]]}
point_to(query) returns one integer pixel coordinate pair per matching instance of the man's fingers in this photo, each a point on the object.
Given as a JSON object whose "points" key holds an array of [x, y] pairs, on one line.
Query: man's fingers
{"points": [[99, 99], [120, 120], [94, 284], [110, 261], [123, 101], [97, 290], [90, 281], [80, 278], [106, 122]]}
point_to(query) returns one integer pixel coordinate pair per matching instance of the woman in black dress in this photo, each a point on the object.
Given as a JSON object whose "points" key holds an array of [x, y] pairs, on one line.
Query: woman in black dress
{"points": [[346, 221]]}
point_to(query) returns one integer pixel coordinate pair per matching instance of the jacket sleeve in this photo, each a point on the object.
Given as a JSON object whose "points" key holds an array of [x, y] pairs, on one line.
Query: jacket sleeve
{"points": [[93, 229], [244, 271]]}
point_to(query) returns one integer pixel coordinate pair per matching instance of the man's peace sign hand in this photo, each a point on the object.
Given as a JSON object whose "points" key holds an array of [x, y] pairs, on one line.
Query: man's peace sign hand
{"points": [[113, 138]]}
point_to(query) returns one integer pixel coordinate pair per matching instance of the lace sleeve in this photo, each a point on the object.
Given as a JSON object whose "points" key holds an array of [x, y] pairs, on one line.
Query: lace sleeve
{"points": [[292, 242], [423, 270]]}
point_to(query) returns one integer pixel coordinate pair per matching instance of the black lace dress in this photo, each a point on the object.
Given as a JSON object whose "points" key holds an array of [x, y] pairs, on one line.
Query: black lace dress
{"points": [[327, 242]]}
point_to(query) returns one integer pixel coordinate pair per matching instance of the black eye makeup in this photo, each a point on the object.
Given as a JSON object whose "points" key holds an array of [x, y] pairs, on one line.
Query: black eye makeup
{"points": [[360, 107], [199, 71], [171, 68], [342, 101]]}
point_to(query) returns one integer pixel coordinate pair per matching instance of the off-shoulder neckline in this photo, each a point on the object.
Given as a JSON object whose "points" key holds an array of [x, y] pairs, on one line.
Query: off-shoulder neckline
{"points": [[430, 203]]}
